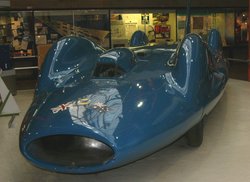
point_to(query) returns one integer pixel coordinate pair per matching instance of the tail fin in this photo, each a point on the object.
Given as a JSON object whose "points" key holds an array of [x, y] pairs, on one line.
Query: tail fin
{"points": [[139, 38], [214, 41], [189, 71]]}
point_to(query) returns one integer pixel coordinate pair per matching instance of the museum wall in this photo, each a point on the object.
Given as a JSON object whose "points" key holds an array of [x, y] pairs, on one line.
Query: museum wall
{"points": [[78, 4], [29, 29]]}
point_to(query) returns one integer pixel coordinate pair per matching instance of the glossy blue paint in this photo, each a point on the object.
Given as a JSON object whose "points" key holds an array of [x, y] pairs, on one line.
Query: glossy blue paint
{"points": [[69, 60], [139, 38], [214, 41], [160, 94], [121, 57]]}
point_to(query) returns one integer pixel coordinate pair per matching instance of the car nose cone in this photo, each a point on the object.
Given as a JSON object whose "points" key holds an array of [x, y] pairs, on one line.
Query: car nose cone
{"points": [[69, 150]]}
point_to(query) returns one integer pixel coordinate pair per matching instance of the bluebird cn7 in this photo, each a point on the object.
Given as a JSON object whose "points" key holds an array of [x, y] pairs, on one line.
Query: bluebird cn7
{"points": [[97, 109]]}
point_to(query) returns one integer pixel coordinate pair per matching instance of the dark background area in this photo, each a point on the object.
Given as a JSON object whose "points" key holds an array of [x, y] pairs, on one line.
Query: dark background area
{"points": [[78, 4]]}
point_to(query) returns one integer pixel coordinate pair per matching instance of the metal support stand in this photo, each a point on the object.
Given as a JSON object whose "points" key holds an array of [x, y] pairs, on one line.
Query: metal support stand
{"points": [[8, 106], [11, 122]]}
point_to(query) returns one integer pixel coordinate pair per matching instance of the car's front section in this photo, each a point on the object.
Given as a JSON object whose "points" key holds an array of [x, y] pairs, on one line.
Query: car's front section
{"points": [[69, 130], [102, 124]]}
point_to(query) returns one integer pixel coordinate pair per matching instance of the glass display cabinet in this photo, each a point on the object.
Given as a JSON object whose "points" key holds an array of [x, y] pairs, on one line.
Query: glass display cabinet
{"points": [[159, 25], [203, 21], [52, 25]]}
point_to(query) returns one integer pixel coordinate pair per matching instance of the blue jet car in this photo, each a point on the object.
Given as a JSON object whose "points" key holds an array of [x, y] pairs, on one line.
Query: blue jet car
{"points": [[97, 109]]}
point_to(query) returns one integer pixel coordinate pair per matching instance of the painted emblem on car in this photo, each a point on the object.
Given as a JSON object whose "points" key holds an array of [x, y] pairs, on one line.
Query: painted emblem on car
{"points": [[66, 106], [100, 107]]}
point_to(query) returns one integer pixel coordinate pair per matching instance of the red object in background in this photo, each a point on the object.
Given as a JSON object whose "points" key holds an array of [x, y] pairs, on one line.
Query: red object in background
{"points": [[164, 29], [157, 28]]}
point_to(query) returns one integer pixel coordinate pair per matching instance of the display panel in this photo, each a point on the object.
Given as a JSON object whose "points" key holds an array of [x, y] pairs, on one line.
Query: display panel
{"points": [[203, 21], [159, 25]]}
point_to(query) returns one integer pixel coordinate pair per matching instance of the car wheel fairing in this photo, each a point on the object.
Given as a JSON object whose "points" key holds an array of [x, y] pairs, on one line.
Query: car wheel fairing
{"points": [[68, 61], [69, 150]]}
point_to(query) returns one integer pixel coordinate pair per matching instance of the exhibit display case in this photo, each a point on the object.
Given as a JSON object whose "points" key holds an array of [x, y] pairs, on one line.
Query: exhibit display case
{"points": [[5, 28], [18, 51], [159, 25], [17, 31], [50, 26], [25, 30], [203, 21], [26, 36]]}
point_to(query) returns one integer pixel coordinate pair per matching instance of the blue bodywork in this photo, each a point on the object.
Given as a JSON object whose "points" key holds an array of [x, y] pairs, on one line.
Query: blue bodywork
{"points": [[138, 38], [133, 101]]}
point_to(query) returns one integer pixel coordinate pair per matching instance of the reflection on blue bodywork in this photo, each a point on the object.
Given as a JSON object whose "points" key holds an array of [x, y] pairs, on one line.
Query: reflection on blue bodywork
{"points": [[67, 63], [104, 111], [60, 77], [172, 82]]}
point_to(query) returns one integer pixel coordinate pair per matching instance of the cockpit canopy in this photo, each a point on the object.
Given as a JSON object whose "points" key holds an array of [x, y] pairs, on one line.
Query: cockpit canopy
{"points": [[115, 63]]}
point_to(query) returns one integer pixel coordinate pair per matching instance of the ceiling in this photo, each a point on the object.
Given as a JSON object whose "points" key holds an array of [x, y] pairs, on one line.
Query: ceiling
{"points": [[81, 4]]}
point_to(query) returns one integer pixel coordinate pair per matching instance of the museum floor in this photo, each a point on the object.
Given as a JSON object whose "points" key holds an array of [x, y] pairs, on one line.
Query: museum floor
{"points": [[223, 157]]}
